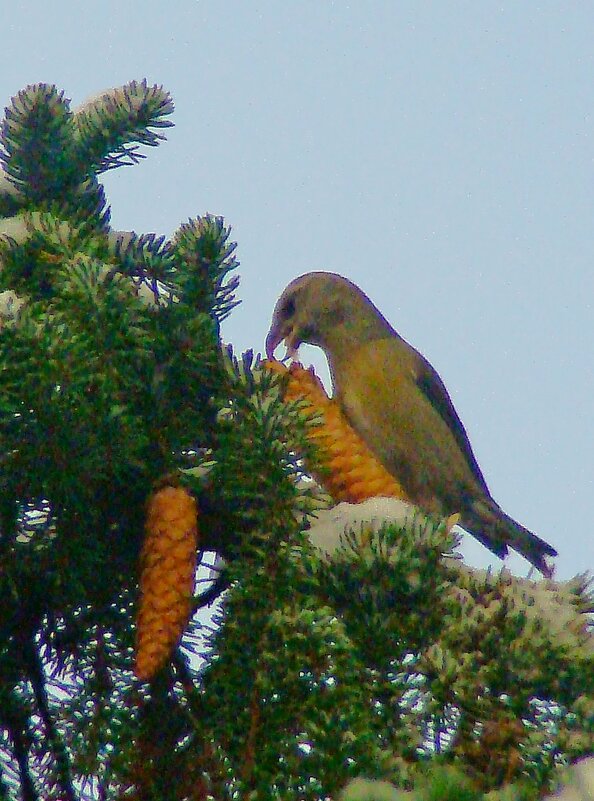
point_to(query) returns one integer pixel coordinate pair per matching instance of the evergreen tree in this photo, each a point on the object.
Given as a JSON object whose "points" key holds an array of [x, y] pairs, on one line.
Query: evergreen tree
{"points": [[382, 660]]}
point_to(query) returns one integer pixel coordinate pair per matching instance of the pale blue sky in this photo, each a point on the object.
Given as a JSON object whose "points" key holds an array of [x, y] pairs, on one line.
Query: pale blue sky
{"points": [[439, 154]]}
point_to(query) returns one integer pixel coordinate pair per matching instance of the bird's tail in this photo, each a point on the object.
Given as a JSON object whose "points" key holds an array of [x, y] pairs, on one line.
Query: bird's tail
{"points": [[489, 524]]}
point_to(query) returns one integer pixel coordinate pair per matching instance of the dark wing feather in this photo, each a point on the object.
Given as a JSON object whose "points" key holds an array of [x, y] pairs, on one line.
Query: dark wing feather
{"points": [[434, 390]]}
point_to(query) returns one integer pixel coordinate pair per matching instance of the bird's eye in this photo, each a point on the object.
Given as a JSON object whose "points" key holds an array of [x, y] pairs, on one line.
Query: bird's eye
{"points": [[289, 307]]}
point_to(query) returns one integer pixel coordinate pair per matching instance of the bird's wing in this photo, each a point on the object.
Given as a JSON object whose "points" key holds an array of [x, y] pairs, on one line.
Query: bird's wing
{"points": [[433, 388], [378, 392]]}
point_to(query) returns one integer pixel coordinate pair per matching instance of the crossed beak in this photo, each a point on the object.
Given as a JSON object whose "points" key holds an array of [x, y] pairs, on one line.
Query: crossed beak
{"points": [[278, 332]]}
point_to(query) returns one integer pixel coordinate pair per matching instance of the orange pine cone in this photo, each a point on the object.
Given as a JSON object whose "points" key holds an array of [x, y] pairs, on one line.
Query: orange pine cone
{"points": [[352, 472], [167, 568]]}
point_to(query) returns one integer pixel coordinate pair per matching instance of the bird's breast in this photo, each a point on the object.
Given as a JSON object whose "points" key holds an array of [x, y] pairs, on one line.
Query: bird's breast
{"points": [[372, 384]]}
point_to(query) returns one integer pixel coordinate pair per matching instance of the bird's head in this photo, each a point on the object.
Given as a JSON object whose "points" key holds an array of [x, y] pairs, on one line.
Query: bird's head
{"points": [[323, 309]]}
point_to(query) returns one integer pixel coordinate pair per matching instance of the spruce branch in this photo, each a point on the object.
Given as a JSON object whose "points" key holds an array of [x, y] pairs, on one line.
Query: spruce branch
{"points": [[208, 597], [52, 157], [203, 245], [62, 761], [15, 717], [36, 139], [257, 484], [565, 607], [34, 244], [110, 128], [147, 259], [483, 635], [7, 190], [11, 199]]}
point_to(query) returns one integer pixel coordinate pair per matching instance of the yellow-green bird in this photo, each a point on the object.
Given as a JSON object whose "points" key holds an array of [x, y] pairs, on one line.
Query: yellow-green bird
{"points": [[399, 405]]}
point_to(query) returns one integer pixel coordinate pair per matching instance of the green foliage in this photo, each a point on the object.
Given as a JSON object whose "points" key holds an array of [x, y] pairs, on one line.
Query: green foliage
{"points": [[203, 244], [447, 784], [37, 135], [110, 129], [52, 155], [106, 387], [384, 660]]}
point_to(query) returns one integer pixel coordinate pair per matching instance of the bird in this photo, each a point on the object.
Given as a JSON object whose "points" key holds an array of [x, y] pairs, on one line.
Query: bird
{"points": [[396, 401]]}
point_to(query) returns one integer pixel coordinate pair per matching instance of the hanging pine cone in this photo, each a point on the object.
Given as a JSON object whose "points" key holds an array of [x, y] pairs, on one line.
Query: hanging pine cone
{"points": [[351, 471], [167, 568]]}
